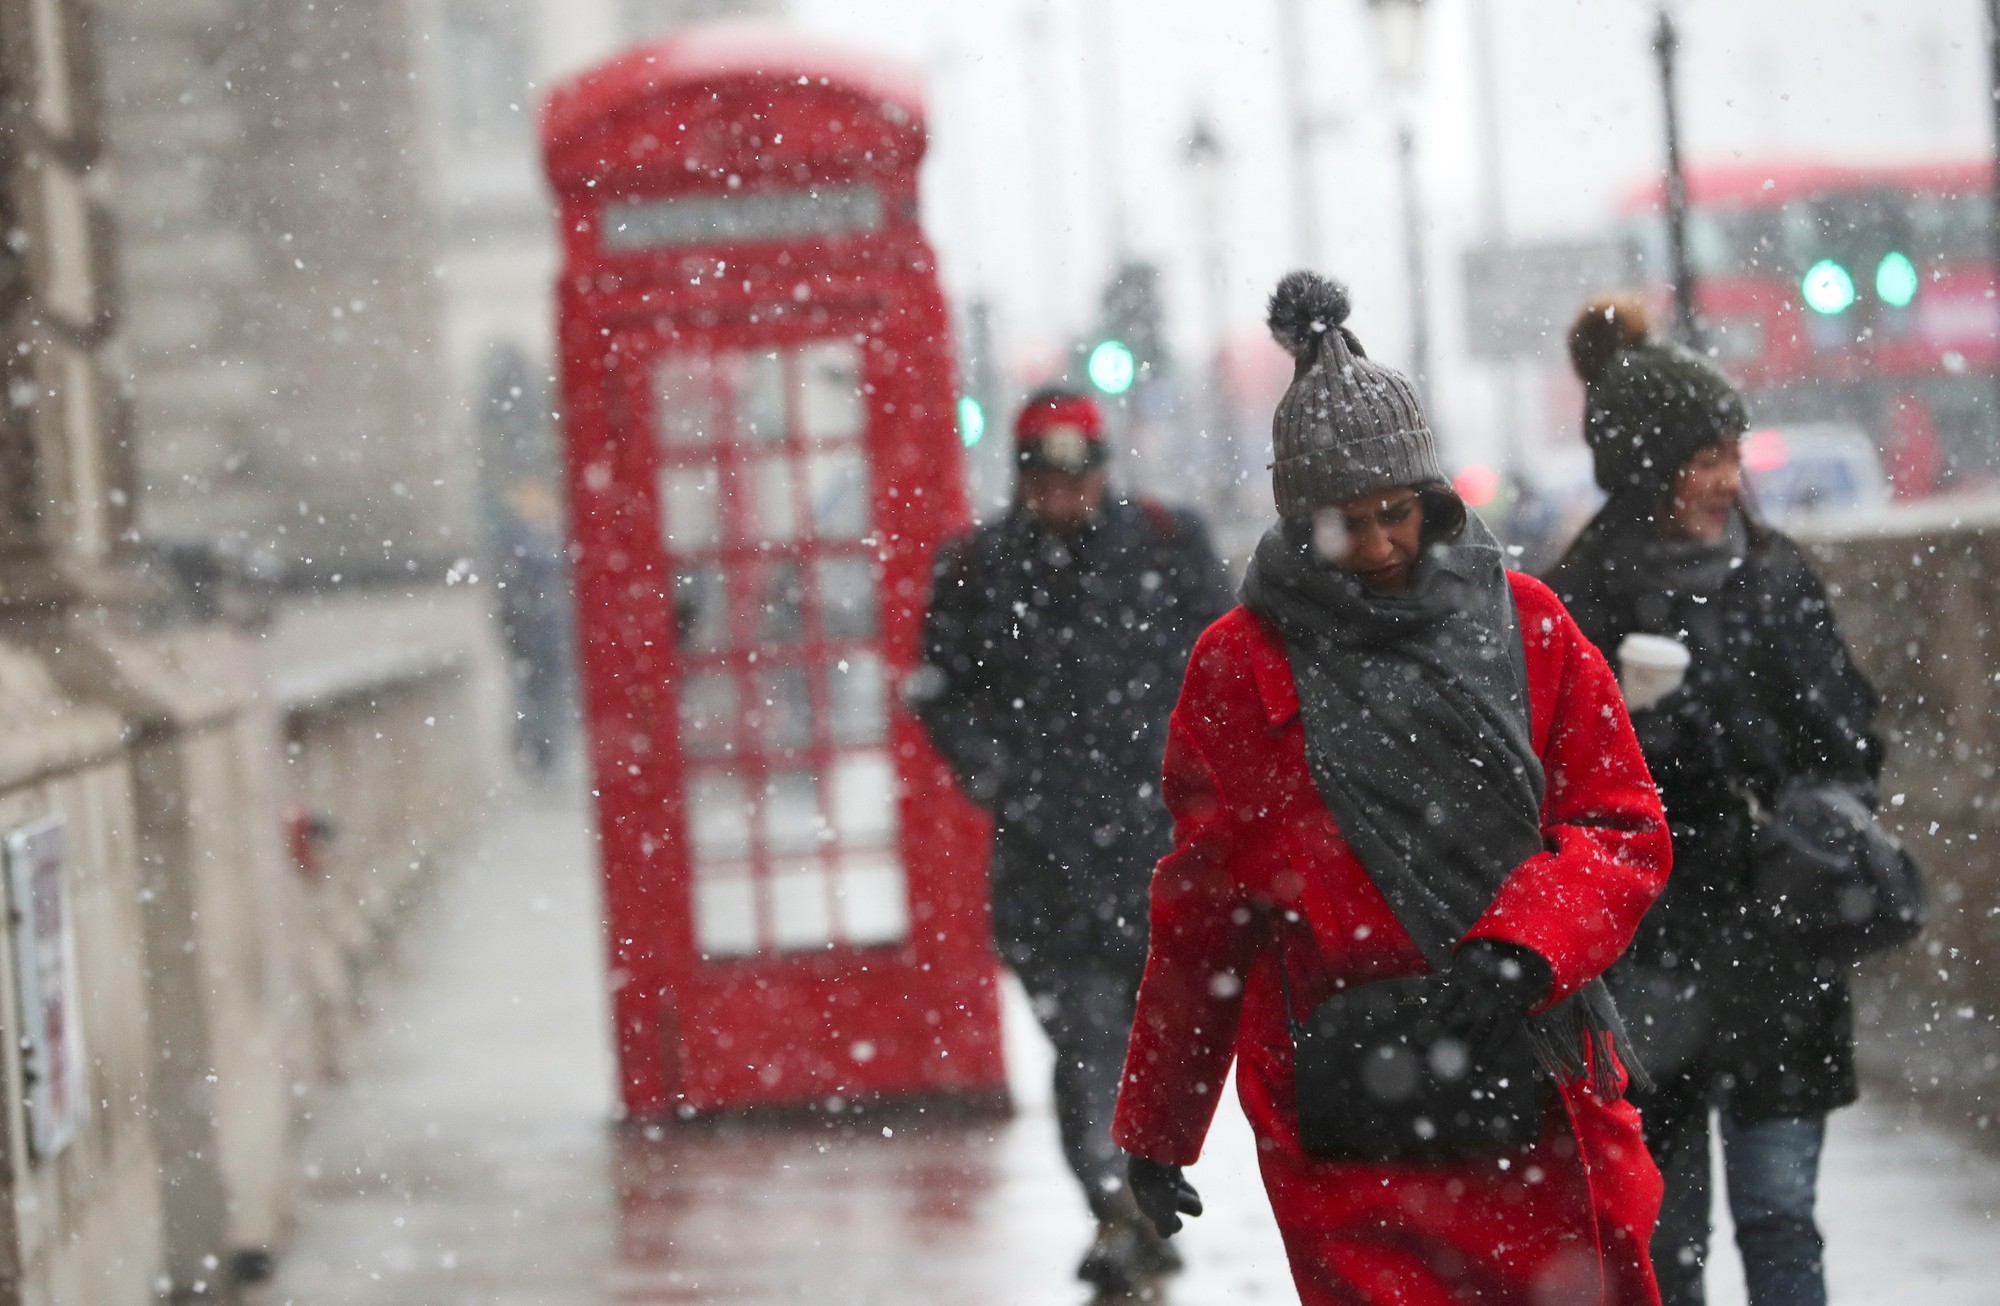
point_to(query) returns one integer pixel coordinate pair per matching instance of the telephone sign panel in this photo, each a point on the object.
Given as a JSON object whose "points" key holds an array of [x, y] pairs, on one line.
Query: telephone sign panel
{"points": [[760, 424]]}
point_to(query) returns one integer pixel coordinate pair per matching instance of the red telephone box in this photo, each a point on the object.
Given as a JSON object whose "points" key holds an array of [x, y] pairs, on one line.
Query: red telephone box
{"points": [[760, 414]]}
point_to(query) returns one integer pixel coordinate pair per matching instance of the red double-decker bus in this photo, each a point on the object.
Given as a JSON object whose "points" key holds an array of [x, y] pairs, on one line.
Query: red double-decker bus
{"points": [[1857, 296]]}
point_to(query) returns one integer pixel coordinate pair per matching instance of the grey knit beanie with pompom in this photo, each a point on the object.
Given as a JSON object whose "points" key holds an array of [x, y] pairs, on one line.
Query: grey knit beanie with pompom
{"points": [[1346, 426]]}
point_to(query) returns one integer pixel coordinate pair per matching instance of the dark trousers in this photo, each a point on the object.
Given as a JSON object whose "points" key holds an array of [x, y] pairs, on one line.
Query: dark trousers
{"points": [[1085, 1006], [1771, 1169]]}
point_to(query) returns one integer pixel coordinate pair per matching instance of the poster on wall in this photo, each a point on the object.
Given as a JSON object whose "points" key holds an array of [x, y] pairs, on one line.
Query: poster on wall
{"points": [[45, 977]]}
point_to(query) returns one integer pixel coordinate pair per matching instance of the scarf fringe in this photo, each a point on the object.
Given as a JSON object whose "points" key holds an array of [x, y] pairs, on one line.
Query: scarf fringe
{"points": [[1584, 1036]]}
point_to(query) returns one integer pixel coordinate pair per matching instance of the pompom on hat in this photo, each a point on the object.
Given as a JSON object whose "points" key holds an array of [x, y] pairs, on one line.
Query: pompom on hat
{"points": [[1649, 404], [1346, 426]]}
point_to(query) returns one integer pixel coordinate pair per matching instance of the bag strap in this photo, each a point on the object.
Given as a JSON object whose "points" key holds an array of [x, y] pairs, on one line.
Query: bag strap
{"points": [[1285, 987]]}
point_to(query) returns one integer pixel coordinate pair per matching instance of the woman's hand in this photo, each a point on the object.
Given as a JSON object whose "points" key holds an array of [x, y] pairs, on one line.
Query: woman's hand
{"points": [[1488, 990], [1162, 1194], [1679, 730]]}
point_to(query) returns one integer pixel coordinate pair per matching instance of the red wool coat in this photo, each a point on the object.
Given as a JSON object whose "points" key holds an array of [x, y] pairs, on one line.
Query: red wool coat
{"points": [[1258, 863]]}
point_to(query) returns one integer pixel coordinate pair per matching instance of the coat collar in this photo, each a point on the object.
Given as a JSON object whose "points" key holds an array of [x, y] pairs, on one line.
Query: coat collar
{"points": [[1272, 671]]}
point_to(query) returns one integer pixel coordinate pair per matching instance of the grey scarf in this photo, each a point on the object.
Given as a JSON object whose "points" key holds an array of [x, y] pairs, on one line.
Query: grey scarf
{"points": [[1624, 559], [1696, 567], [1415, 708]]}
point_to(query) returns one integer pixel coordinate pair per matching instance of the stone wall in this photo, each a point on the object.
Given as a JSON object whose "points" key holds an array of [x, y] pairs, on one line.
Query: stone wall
{"points": [[393, 718], [220, 980], [83, 1225], [218, 971], [1918, 596]]}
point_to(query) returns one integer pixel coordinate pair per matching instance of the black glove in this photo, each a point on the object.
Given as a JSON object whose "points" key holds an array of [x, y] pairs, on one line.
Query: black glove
{"points": [[1488, 990], [1162, 1194], [1680, 738]]}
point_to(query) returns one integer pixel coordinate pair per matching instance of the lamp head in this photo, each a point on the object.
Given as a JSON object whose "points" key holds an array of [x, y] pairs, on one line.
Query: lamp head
{"points": [[1399, 41]]}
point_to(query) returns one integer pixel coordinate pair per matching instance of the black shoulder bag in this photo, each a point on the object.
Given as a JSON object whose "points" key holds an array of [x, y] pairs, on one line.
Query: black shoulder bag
{"points": [[1826, 871], [1378, 1079]]}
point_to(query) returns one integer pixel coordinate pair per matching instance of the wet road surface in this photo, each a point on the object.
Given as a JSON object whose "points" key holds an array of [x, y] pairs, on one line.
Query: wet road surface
{"points": [[467, 1160]]}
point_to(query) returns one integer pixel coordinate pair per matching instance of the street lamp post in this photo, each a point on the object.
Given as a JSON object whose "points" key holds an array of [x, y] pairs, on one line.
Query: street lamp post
{"points": [[1667, 44], [1993, 224], [1413, 252], [1300, 131], [1207, 168], [1399, 42], [1304, 126], [1045, 125], [1105, 110], [1493, 210]]}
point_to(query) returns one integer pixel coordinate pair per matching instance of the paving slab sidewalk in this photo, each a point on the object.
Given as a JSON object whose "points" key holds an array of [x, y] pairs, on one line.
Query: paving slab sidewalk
{"points": [[468, 1160]]}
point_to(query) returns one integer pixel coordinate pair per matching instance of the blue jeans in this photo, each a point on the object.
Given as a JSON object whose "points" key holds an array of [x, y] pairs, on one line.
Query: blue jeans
{"points": [[1771, 1168]]}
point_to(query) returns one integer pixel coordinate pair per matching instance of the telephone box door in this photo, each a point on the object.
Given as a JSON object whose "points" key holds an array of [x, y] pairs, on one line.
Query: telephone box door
{"points": [[828, 956]]}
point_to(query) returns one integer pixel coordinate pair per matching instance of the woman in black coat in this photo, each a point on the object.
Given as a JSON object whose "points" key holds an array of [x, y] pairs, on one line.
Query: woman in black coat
{"points": [[1730, 1013]]}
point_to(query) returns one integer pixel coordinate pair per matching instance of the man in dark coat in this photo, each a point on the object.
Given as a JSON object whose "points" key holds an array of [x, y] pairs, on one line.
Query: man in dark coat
{"points": [[1729, 1010], [1055, 645]]}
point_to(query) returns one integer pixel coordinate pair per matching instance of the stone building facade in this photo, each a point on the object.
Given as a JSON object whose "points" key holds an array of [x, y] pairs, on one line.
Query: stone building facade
{"points": [[278, 208], [80, 1215], [158, 1034], [336, 249]]}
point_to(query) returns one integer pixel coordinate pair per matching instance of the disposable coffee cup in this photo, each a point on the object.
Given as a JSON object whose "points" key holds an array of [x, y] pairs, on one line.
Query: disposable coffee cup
{"points": [[1650, 667]]}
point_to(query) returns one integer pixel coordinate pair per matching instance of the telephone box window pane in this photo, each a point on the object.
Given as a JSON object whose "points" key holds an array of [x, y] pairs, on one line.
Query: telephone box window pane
{"points": [[801, 907], [781, 616], [830, 400], [684, 400], [725, 917], [874, 900], [701, 610], [771, 516], [718, 808], [858, 710], [709, 713], [784, 708], [792, 819], [692, 499], [847, 598], [760, 397], [838, 482], [864, 799]]}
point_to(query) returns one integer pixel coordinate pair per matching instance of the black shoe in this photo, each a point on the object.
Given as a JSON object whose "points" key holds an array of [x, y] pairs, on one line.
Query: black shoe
{"points": [[1115, 1263]]}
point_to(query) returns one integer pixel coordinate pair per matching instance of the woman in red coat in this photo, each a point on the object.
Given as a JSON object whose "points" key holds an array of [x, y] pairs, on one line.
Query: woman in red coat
{"points": [[1398, 759]]}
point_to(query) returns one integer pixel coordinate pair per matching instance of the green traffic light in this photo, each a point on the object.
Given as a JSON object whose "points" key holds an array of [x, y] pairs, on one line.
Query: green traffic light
{"points": [[971, 420], [1896, 279], [1828, 288], [1112, 367]]}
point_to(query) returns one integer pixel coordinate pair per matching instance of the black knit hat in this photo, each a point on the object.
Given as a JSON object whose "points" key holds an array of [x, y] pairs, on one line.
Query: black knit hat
{"points": [[1346, 426], [1649, 404]]}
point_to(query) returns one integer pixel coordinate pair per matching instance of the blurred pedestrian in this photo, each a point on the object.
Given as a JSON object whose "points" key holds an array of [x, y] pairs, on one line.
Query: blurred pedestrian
{"points": [[534, 606], [1732, 1012], [1056, 639], [1396, 759]]}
